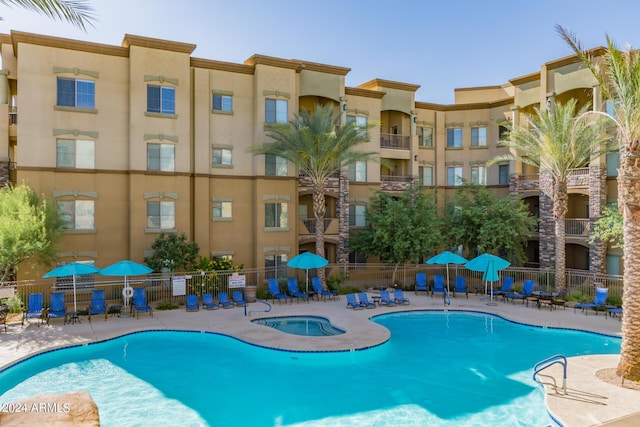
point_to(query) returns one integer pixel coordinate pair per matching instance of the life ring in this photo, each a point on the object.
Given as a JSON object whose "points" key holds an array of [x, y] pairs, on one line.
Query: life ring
{"points": [[127, 292]]}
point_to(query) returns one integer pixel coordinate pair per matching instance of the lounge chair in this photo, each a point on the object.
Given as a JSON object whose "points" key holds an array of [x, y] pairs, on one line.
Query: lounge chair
{"points": [[4, 312], [208, 303], [292, 285], [613, 312], [598, 303], [192, 303], [507, 287], [385, 299], [223, 300], [140, 302], [353, 303], [274, 290], [98, 304], [398, 295], [526, 292], [438, 284], [316, 284], [364, 301], [56, 307], [460, 286], [421, 282], [35, 309], [238, 298]]}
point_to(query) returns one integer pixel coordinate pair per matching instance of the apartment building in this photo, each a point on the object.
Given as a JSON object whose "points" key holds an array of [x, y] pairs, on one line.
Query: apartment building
{"points": [[129, 141]]}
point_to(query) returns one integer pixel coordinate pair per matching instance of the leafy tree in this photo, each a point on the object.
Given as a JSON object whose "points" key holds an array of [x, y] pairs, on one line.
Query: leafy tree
{"points": [[608, 227], [173, 252], [28, 229], [618, 75], [77, 12], [400, 229], [482, 222], [556, 141]]}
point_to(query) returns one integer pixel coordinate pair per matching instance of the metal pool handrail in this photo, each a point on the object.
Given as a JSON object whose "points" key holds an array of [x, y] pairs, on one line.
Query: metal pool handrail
{"points": [[550, 361]]}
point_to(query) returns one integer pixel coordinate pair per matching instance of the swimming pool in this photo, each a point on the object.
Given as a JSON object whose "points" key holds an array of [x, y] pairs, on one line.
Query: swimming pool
{"points": [[310, 326], [438, 368]]}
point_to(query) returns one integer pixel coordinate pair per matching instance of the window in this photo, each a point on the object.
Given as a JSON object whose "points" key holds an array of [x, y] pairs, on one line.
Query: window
{"points": [[275, 165], [222, 210], [426, 175], [222, 103], [479, 137], [276, 111], [503, 132], [426, 137], [161, 215], [275, 215], [357, 215], [613, 163], [357, 258], [75, 153], [479, 175], [76, 214], [275, 266], [161, 157], [76, 93], [161, 99], [361, 123], [358, 171], [221, 156], [454, 137], [503, 174], [454, 175]]}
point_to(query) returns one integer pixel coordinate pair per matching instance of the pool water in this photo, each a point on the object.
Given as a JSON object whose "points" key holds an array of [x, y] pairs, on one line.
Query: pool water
{"points": [[438, 369], [311, 326]]}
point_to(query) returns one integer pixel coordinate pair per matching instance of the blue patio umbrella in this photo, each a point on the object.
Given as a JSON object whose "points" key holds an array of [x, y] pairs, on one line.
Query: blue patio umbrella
{"points": [[72, 269], [125, 269], [447, 258], [489, 265], [306, 261]]}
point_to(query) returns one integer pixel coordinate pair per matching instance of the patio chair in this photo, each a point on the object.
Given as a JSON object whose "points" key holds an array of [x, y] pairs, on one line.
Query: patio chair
{"points": [[140, 302], [192, 303], [208, 303], [56, 307], [421, 282], [599, 302], [274, 290], [526, 292], [238, 298], [460, 286], [35, 309], [438, 284], [398, 295], [613, 312], [223, 300], [385, 299], [292, 285], [4, 312], [507, 287], [353, 303], [316, 284], [98, 304], [364, 301]]}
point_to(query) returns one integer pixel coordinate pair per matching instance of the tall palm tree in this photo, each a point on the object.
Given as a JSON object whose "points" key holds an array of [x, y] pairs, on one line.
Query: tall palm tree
{"points": [[556, 141], [618, 75], [77, 12], [319, 146]]}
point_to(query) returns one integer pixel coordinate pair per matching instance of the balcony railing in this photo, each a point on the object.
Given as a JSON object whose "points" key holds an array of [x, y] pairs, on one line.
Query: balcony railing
{"points": [[396, 178], [400, 142], [310, 224], [13, 115], [577, 227]]}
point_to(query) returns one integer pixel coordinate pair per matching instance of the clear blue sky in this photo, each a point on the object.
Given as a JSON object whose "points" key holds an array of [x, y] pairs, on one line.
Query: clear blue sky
{"points": [[439, 45]]}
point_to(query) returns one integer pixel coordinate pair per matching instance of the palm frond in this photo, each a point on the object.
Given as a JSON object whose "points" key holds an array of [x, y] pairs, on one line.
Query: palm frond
{"points": [[77, 12]]}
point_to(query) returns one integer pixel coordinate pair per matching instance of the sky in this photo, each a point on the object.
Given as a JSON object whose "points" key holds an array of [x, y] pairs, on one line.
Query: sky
{"points": [[439, 45]]}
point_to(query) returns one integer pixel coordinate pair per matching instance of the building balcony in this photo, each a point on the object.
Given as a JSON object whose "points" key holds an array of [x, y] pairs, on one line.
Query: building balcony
{"points": [[395, 182], [309, 226], [577, 227], [577, 178], [399, 142]]}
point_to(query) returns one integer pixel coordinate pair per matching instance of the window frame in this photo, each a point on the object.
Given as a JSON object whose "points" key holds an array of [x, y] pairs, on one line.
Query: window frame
{"points": [[165, 208], [502, 178], [275, 115], [74, 155], [477, 139], [225, 107], [357, 219], [454, 137], [480, 175], [223, 207], [421, 137], [275, 165], [276, 215], [166, 104], [421, 177], [159, 160], [80, 208], [456, 177], [357, 171], [81, 99], [225, 157]]}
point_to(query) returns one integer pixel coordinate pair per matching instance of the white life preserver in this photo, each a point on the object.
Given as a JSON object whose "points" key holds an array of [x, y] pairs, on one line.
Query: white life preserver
{"points": [[127, 292]]}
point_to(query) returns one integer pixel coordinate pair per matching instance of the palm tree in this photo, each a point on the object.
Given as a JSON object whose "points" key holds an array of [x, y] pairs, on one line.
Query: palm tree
{"points": [[556, 141], [319, 146], [77, 12], [618, 76]]}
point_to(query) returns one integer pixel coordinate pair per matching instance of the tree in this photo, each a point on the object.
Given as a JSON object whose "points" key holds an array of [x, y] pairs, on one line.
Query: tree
{"points": [[618, 76], [556, 141], [173, 252], [608, 227], [482, 222], [77, 12], [400, 229], [28, 229], [320, 147]]}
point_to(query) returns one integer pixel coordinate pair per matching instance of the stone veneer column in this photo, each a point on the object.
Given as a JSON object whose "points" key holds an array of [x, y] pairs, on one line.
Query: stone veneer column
{"points": [[547, 227], [4, 171], [597, 202], [342, 254]]}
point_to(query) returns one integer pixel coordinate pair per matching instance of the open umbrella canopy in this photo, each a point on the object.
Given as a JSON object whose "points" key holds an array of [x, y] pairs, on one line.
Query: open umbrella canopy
{"points": [[71, 269], [490, 274], [446, 257], [307, 260], [480, 263], [125, 268]]}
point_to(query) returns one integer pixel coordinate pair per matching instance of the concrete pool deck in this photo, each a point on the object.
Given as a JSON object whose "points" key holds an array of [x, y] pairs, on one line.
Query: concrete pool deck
{"points": [[589, 401]]}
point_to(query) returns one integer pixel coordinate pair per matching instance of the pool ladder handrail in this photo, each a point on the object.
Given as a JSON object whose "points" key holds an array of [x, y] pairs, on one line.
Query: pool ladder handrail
{"points": [[446, 298], [257, 311], [557, 359]]}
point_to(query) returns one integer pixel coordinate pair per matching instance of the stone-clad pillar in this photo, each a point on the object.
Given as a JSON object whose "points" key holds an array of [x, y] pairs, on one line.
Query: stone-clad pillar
{"points": [[547, 226], [597, 202], [342, 254]]}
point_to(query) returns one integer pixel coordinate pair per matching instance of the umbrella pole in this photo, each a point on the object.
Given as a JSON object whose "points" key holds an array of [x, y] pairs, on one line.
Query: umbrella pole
{"points": [[75, 302], [447, 278]]}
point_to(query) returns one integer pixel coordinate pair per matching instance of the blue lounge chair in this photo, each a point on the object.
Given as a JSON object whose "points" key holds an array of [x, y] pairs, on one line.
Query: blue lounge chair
{"points": [[208, 303], [385, 299], [438, 284], [292, 285], [613, 312], [274, 290], [316, 284], [56, 307], [460, 286], [526, 292], [507, 287], [238, 298], [98, 304], [352, 303], [140, 302], [364, 301], [599, 301], [35, 309], [398, 295], [192, 303], [421, 282], [223, 300]]}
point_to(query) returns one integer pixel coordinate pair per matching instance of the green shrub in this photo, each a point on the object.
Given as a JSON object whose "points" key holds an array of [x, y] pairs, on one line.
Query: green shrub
{"points": [[166, 305], [15, 304], [262, 294], [614, 300], [349, 290], [335, 282]]}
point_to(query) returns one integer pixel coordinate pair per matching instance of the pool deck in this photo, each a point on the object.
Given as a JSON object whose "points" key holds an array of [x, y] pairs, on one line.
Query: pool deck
{"points": [[588, 402]]}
